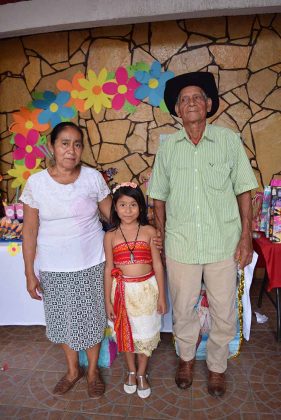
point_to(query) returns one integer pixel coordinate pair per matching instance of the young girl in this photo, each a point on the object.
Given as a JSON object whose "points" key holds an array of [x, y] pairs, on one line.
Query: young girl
{"points": [[134, 284]]}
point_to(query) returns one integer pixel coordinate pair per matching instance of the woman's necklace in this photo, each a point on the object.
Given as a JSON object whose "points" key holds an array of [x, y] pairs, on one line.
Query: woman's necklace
{"points": [[132, 258]]}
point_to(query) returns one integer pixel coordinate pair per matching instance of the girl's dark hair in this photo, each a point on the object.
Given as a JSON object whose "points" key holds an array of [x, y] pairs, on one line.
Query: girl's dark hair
{"points": [[136, 194], [60, 127]]}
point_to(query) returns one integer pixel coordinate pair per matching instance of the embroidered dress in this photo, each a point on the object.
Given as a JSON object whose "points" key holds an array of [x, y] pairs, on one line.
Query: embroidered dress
{"points": [[137, 324]]}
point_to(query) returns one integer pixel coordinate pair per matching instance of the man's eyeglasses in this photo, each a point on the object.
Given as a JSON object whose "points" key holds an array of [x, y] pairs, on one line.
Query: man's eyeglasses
{"points": [[196, 99]]}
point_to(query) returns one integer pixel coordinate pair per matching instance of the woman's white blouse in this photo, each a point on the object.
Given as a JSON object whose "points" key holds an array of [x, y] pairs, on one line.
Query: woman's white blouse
{"points": [[70, 236]]}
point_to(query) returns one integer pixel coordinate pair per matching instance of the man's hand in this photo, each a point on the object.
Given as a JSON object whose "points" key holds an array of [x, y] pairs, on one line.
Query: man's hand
{"points": [[158, 240], [244, 251]]}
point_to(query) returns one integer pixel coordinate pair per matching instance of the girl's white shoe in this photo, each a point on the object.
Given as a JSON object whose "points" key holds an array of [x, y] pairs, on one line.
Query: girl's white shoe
{"points": [[141, 391], [130, 388]]}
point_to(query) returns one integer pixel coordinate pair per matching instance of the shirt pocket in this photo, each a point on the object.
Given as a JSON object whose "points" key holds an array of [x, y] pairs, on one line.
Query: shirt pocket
{"points": [[217, 175]]}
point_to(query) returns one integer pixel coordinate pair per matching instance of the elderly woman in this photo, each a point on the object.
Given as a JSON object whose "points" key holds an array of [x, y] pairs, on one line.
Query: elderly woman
{"points": [[62, 227]]}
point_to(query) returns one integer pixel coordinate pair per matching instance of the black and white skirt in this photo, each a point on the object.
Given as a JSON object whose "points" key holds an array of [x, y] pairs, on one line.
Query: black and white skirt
{"points": [[74, 306]]}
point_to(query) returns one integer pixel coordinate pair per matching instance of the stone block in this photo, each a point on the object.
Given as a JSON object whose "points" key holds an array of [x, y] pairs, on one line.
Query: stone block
{"points": [[239, 26], [214, 27], [136, 163], [153, 140], [110, 153], [266, 135], [109, 54], [136, 143], [14, 94], [114, 131], [41, 44], [230, 56], [230, 79], [266, 51], [123, 172], [93, 132], [260, 84], [273, 101], [32, 72], [166, 40], [241, 114], [13, 58], [76, 39], [189, 61], [142, 114]]}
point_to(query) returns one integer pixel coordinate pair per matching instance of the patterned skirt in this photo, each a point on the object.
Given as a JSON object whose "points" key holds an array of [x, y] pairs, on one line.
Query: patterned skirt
{"points": [[74, 306], [141, 305]]}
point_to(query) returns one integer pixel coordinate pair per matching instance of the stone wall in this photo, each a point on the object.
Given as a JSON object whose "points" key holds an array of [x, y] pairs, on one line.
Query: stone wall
{"points": [[243, 52]]}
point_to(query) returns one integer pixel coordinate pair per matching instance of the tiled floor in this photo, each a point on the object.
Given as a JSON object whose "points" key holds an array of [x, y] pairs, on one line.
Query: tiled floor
{"points": [[35, 364]]}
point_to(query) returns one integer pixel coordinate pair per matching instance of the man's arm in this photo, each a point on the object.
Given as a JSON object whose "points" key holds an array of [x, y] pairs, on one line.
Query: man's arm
{"points": [[160, 216], [244, 250]]}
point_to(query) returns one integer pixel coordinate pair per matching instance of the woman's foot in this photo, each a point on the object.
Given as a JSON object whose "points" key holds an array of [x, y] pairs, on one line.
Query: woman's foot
{"points": [[143, 389], [130, 386], [67, 382], [96, 386]]}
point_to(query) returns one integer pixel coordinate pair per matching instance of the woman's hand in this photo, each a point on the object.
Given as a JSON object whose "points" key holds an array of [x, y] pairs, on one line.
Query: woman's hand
{"points": [[110, 311], [33, 287], [161, 305]]}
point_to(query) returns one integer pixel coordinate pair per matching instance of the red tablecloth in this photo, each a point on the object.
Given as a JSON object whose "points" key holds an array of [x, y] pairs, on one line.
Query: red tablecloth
{"points": [[269, 257]]}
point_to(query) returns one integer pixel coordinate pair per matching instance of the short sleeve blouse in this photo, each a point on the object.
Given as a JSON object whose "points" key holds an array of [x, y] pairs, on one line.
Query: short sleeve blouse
{"points": [[70, 236]]}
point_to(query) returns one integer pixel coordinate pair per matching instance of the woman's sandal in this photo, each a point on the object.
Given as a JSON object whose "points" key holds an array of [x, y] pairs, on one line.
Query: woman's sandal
{"points": [[130, 388], [141, 390]]}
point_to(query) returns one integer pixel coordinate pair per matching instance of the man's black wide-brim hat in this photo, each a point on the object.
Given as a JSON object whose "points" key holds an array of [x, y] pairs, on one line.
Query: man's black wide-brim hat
{"points": [[205, 80]]}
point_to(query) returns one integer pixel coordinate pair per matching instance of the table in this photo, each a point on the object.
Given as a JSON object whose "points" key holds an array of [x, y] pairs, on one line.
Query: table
{"points": [[16, 306], [270, 258]]}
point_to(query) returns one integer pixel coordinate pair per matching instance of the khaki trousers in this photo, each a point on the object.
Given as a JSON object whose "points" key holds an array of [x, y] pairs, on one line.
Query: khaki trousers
{"points": [[220, 279]]}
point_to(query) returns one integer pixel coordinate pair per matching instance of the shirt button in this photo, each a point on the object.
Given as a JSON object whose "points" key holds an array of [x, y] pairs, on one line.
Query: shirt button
{"points": [[195, 152], [196, 188], [198, 207], [198, 225], [196, 169]]}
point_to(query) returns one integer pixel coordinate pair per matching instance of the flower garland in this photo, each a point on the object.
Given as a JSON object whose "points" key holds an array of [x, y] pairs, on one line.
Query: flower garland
{"points": [[124, 89]]}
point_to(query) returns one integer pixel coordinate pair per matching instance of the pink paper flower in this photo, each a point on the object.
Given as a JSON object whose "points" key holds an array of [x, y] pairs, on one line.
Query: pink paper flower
{"points": [[27, 148], [123, 89]]}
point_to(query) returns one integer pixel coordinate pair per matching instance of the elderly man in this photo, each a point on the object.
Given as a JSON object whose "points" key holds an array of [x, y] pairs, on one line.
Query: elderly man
{"points": [[201, 186]]}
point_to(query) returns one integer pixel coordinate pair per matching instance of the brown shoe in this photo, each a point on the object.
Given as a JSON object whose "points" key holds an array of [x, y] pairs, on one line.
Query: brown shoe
{"points": [[96, 387], [64, 385], [216, 384], [184, 376]]}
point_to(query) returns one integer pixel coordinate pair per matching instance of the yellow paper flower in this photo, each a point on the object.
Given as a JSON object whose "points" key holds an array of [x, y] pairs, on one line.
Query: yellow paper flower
{"points": [[22, 173], [93, 93], [13, 248]]}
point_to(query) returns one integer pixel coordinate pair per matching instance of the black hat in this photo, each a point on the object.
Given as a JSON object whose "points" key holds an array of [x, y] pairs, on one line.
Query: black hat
{"points": [[204, 80]]}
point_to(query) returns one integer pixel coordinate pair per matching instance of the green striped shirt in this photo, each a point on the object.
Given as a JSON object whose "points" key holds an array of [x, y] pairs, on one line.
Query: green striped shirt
{"points": [[199, 185]]}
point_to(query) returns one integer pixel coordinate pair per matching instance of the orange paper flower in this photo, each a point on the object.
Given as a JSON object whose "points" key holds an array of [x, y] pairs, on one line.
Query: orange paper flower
{"points": [[73, 88], [26, 120]]}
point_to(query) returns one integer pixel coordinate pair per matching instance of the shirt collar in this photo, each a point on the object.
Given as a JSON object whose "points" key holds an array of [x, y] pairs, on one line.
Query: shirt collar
{"points": [[207, 135]]}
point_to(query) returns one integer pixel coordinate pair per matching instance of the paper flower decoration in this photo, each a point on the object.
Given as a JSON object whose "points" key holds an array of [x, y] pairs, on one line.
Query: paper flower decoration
{"points": [[123, 89], [21, 174], [27, 149], [93, 93], [152, 83], [73, 88], [54, 109], [13, 248], [26, 120]]}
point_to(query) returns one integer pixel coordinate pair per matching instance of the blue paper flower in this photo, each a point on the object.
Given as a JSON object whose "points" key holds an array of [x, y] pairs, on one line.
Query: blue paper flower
{"points": [[54, 109], [152, 83]]}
